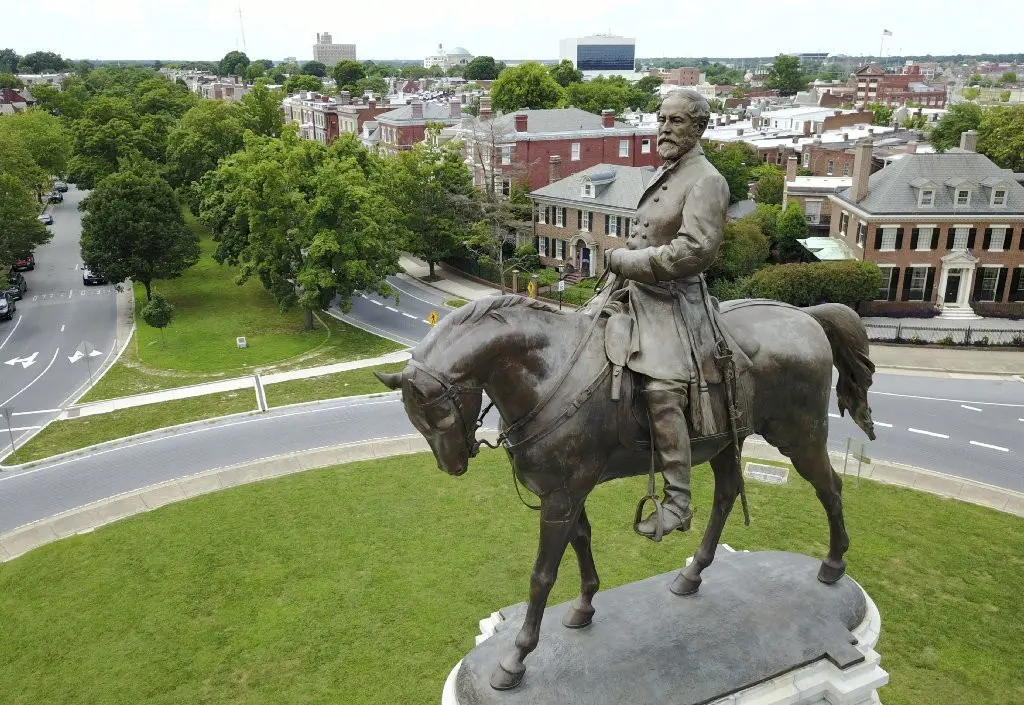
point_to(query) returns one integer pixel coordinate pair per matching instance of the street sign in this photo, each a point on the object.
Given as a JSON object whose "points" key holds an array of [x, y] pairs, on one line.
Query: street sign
{"points": [[561, 285], [531, 289], [6, 412], [432, 318]]}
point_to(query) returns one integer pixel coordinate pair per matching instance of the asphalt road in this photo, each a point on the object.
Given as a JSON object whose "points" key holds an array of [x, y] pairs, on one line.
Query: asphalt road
{"points": [[402, 318], [57, 315]]}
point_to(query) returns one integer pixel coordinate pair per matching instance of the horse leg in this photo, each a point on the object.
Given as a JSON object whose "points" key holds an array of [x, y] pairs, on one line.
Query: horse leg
{"points": [[813, 464], [726, 490], [582, 611], [558, 521]]}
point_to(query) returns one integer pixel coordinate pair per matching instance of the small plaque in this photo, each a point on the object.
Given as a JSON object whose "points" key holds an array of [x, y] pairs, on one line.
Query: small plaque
{"points": [[769, 474], [561, 285], [240, 341]]}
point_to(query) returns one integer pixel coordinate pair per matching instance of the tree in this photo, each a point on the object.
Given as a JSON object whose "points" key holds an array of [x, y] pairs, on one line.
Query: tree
{"points": [[9, 61], [528, 85], [792, 225], [234, 63], [971, 93], [205, 134], [1008, 78], [314, 68], [297, 83], [563, 72], [915, 122], [108, 132], [1004, 96], [133, 228], [348, 73], [254, 72], [770, 183], [881, 114], [382, 70], [289, 68], [959, 118], [41, 62], [44, 136], [745, 248], [157, 312], [1001, 136], [260, 111], [785, 75], [974, 79], [481, 68], [733, 162], [413, 72], [614, 93], [649, 84], [9, 80], [767, 216], [716, 105], [372, 84], [20, 231]]}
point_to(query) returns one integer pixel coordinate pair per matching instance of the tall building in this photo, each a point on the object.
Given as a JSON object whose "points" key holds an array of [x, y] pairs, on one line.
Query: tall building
{"points": [[329, 54], [600, 52]]}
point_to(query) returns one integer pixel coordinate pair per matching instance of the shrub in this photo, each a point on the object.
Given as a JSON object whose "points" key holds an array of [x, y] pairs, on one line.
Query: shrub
{"points": [[812, 283], [948, 340], [729, 289]]}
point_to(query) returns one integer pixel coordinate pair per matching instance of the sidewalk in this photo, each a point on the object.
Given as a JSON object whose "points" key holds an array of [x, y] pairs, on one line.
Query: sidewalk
{"points": [[948, 359], [449, 283]]}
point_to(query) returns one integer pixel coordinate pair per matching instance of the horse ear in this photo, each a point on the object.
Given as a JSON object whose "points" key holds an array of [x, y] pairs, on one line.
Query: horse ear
{"points": [[391, 380]]}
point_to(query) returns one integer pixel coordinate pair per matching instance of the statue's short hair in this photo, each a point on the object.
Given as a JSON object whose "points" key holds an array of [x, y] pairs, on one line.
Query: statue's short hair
{"points": [[695, 106]]}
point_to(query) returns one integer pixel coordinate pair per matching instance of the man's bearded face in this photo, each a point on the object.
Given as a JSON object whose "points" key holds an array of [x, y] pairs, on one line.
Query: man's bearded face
{"points": [[677, 133]]}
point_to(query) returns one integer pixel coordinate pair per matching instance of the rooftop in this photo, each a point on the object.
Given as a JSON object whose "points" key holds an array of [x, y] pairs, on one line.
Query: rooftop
{"points": [[827, 249], [821, 183], [615, 186]]}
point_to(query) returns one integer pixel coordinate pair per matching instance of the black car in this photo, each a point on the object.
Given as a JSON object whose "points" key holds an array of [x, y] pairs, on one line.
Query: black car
{"points": [[60, 186], [16, 284], [7, 306], [91, 277], [56, 197]]}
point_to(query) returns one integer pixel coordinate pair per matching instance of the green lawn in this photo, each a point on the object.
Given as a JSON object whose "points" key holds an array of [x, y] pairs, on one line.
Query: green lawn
{"points": [[211, 311], [330, 587], [341, 384]]}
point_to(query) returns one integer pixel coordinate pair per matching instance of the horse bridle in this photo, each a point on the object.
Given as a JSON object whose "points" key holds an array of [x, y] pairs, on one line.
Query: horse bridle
{"points": [[452, 394]]}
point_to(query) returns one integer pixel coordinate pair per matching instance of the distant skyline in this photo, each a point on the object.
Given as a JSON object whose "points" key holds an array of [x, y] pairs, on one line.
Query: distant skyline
{"points": [[526, 29]]}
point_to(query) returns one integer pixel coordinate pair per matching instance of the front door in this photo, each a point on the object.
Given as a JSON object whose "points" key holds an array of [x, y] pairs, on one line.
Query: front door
{"points": [[952, 294], [585, 261]]}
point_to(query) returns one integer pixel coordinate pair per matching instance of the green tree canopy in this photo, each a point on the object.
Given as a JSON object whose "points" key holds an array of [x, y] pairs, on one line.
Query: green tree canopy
{"points": [[481, 68], [1008, 78], [9, 61], [314, 68], [959, 118], [733, 162], [109, 131], [20, 231], [41, 62], [44, 136], [881, 114], [9, 80], [413, 72], [260, 110], [1001, 136], [382, 70], [158, 311], [133, 228], [205, 134], [564, 73], [971, 93], [372, 84], [785, 75], [745, 248], [297, 83], [528, 85], [770, 183], [792, 226], [348, 73], [234, 63]]}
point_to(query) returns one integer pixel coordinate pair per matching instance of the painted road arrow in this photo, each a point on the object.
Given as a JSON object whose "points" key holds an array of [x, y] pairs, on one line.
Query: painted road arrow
{"points": [[26, 362], [79, 355]]}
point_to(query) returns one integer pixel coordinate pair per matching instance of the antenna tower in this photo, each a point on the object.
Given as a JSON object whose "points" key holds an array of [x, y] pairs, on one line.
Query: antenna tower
{"points": [[242, 27]]}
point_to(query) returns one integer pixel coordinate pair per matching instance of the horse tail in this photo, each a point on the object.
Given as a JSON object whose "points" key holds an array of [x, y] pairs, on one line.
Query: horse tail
{"points": [[849, 341]]}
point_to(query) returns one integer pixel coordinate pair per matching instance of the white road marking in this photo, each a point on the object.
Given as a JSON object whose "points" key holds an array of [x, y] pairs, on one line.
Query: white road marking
{"points": [[39, 411], [972, 408], [986, 445], [375, 301], [409, 315], [432, 303], [365, 296], [389, 308], [71, 292], [956, 401], [928, 433], [835, 416], [882, 423], [16, 324], [426, 321], [76, 267], [61, 327], [45, 370], [25, 362]]}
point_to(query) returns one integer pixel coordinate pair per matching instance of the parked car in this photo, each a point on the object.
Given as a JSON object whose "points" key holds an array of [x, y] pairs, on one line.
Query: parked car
{"points": [[55, 197], [60, 186], [7, 306], [91, 277], [46, 219], [16, 284], [26, 264]]}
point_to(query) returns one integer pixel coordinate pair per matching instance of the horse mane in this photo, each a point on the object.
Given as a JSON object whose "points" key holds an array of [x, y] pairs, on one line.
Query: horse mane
{"points": [[490, 306]]}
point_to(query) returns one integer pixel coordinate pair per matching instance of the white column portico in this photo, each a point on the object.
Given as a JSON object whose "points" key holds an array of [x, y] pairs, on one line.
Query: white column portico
{"points": [[956, 283]]}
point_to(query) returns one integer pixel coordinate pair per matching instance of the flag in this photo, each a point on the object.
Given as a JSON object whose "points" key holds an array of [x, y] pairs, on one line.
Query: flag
{"points": [[886, 33]]}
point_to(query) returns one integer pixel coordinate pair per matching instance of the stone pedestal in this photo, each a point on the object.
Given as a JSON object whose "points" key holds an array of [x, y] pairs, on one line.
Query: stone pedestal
{"points": [[762, 630]]}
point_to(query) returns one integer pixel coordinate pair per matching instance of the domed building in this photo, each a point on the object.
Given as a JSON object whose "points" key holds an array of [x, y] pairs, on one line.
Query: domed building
{"points": [[448, 59]]}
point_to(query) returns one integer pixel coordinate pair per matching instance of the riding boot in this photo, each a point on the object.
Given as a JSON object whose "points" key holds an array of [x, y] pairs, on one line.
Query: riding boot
{"points": [[666, 405]]}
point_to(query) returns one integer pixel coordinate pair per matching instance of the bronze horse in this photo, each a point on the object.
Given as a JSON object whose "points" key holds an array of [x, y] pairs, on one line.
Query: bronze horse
{"points": [[560, 427]]}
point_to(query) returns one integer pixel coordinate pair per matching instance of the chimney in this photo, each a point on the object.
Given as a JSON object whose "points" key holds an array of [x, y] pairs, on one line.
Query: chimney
{"points": [[485, 107], [846, 137], [522, 120], [417, 110], [969, 141], [554, 168], [756, 122], [807, 128], [871, 130], [861, 169], [455, 109], [912, 147], [607, 118], [791, 169], [344, 98], [371, 103], [739, 131]]}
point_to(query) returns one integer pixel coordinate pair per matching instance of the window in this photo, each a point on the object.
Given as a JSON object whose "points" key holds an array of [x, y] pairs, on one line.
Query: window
{"points": [[885, 293], [830, 170], [559, 249], [506, 187], [542, 215], [613, 225], [575, 151], [542, 246], [963, 197], [888, 239], [960, 238], [989, 281], [999, 197], [998, 242], [918, 279], [807, 158], [559, 217], [645, 146], [812, 212], [623, 148], [844, 222], [846, 168], [927, 198], [587, 219], [506, 155], [1019, 294], [862, 234], [924, 239], [588, 189]]}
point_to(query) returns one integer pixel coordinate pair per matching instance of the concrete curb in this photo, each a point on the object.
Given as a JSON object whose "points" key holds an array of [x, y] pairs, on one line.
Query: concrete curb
{"points": [[87, 518]]}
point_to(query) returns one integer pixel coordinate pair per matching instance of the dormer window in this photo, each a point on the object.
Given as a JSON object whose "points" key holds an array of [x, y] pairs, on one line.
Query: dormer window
{"points": [[588, 189], [963, 197], [999, 197], [927, 198]]}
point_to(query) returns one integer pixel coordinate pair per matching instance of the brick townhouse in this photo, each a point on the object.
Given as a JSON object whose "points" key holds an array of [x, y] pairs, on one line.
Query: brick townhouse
{"points": [[401, 128], [517, 148], [578, 218], [317, 115], [946, 229]]}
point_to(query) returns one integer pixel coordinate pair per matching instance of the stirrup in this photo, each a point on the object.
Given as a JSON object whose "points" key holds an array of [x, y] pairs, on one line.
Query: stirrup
{"points": [[638, 516]]}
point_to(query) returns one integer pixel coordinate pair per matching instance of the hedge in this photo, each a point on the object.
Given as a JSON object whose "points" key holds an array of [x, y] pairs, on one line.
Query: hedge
{"points": [[806, 284]]}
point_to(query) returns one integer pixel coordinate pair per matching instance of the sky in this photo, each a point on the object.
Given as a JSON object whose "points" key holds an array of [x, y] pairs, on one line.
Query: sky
{"points": [[522, 29]]}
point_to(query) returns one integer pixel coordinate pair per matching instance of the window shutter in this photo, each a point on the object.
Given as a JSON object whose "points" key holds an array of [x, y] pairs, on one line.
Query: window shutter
{"points": [[1015, 283], [1020, 244], [625, 224], [1001, 283], [899, 238], [907, 274], [618, 225], [971, 236], [978, 278], [894, 282], [878, 238], [935, 239], [607, 223], [547, 214], [914, 235], [579, 220], [950, 234], [929, 284], [986, 241]]}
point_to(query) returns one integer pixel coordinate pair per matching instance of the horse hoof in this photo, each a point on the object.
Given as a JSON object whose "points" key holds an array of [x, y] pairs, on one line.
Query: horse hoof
{"points": [[503, 679], [829, 573], [684, 586], [577, 618]]}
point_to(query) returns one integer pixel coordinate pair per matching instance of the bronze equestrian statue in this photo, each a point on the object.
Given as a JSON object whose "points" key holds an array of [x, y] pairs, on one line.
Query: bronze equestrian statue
{"points": [[575, 390]]}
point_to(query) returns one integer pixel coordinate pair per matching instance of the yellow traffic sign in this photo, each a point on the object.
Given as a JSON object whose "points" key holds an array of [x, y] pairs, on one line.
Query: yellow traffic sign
{"points": [[531, 289], [432, 318]]}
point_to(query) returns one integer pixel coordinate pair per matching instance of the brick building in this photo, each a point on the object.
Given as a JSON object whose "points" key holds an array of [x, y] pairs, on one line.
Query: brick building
{"points": [[517, 148], [317, 115], [946, 229], [578, 218], [400, 128], [353, 114], [683, 76], [874, 85], [812, 193]]}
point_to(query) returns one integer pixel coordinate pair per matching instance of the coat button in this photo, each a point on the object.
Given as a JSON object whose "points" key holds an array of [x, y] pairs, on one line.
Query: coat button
{"points": [[635, 221], [645, 237], [664, 187], [656, 199], [647, 223]]}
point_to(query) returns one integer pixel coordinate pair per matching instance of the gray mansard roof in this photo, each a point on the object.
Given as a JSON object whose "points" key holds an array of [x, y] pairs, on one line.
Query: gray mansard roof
{"points": [[895, 188], [615, 186], [555, 120]]}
